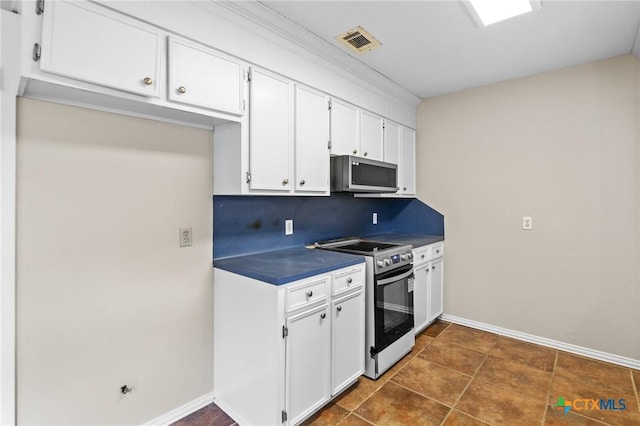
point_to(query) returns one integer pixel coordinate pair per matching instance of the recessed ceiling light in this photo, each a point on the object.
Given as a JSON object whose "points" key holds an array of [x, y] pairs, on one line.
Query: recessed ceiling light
{"points": [[492, 11]]}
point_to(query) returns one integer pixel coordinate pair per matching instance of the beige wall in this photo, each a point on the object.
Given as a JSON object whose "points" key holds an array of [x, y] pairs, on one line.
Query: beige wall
{"points": [[561, 147], [105, 296]]}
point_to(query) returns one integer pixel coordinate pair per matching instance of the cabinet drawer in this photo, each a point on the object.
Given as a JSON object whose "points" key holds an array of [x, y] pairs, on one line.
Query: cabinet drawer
{"points": [[347, 280], [437, 250], [305, 294], [421, 255]]}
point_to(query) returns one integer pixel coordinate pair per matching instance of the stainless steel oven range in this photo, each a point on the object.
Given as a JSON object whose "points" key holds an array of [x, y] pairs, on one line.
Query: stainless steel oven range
{"points": [[389, 300]]}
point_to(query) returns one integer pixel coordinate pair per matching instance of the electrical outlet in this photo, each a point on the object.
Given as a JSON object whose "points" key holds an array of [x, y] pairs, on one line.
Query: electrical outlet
{"points": [[374, 219], [186, 237], [527, 223], [288, 227]]}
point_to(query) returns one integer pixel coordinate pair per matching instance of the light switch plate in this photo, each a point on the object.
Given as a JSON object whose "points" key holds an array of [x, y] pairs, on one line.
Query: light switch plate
{"points": [[288, 227], [527, 223], [375, 218]]}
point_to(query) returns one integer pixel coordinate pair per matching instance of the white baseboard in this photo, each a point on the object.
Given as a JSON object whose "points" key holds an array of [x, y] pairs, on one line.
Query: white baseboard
{"points": [[182, 411], [543, 341]]}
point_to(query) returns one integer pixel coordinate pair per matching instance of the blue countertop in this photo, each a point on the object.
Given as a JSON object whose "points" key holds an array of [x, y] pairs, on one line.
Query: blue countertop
{"points": [[284, 266], [412, 239]]}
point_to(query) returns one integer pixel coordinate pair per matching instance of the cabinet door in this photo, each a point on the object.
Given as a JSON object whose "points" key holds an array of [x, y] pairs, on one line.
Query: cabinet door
{"points": [[407, 162], [270, 132], [391, 143], [307, 362], [311, 141], [87, 42], [204, 77], [421, 296], [348, 349], [345, 128], [371, 135], [436, 289]]}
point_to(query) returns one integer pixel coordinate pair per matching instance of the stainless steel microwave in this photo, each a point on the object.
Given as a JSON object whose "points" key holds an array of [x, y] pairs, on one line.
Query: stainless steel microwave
{"points": [[357, 174]]}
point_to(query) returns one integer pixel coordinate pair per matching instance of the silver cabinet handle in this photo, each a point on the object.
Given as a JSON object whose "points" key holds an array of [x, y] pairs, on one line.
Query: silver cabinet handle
{"points": [[148, 81], [404, 189], [285, 181], [323, 315], [422, 257], [339, 308], [349, 280], [302, 182], [365, 153], [182, 89], [309, 293], [433, 268], [355, 151]]}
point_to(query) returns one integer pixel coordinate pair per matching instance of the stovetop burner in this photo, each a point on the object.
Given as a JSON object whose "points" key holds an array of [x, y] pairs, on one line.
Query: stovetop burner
{"points": [[367, 246], [385, 256]]}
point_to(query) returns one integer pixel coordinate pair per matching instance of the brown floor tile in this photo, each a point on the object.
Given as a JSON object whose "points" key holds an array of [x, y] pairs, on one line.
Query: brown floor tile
{"points": [[636, 378], [574, 387], [356, 394], [436, 328], [422, 341], [211, 415], [477, 340], [597, 372], [456, 418], [432, 380], [533, 355], [499, 406], [515, 376], [395, 405], [453, 356], [354, 420], [557, 417], [330, 415]]}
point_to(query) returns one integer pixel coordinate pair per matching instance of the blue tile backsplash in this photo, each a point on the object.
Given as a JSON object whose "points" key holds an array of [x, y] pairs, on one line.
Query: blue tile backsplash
{"points": [[255, 224]]}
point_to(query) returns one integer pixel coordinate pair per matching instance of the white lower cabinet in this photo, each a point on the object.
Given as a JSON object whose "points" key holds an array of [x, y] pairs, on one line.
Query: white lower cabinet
{"points": [[428, 287], [435, 289], [347, 339], [308, 362], [282, 352], [420, 296]]}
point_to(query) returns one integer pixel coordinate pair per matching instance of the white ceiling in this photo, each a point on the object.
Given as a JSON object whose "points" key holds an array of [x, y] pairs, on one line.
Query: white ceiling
{"points": [[435, 47]]}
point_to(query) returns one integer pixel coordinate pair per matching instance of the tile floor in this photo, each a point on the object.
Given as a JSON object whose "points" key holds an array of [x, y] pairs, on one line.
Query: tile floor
{"points": [[460, 376]]}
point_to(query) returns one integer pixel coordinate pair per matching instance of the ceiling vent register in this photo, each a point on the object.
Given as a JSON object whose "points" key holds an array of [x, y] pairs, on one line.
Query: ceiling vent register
{"points": [[359, 40]]}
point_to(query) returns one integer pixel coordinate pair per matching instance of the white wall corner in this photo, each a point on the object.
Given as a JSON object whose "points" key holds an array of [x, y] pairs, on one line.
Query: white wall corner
{"points": [[9, 63], [636, 45]]}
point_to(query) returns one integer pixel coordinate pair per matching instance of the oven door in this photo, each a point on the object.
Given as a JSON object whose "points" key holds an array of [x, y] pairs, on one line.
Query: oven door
{"points": [[393, 301]]}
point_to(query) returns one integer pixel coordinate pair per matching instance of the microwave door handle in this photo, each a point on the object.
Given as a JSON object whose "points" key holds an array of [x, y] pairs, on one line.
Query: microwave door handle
{"points": [[395, 278]]}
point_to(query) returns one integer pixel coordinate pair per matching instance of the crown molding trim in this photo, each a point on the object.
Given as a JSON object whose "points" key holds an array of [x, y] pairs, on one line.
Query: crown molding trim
{"points": [[257, 17]]}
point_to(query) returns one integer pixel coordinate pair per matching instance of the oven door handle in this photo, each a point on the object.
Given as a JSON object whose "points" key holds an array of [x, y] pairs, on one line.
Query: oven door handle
{"points": [[394, 278]]}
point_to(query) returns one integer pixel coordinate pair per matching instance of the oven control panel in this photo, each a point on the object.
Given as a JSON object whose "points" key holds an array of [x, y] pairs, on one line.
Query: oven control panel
{"points": [[393, 258]]}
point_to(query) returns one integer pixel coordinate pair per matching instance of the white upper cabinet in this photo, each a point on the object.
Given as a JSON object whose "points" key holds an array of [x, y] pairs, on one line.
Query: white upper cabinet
{"points": [[345, 128], [371, 135], [270, 132], [90, 43], [407, 162], [391, 142], [311, 141], [204, 77], [399, 148]]}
